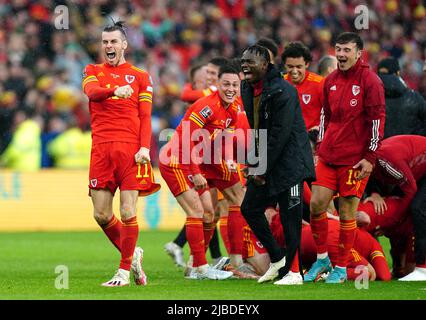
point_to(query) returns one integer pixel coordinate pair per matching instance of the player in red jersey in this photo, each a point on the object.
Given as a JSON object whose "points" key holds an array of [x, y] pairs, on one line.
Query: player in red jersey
{"points": [[353, 121], [181, 160], [120, 102], [382, 216], [204, 80], [296, 59], [366, 251], [401, 163]]}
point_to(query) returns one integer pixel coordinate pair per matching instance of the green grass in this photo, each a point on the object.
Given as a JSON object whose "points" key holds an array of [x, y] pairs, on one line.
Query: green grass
{"points": [[28, 262]]}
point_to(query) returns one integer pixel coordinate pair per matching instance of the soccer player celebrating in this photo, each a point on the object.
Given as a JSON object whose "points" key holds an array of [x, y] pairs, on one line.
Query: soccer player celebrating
{"points": [[296, 59], [180, 166], [351, 130], [120, 102]]}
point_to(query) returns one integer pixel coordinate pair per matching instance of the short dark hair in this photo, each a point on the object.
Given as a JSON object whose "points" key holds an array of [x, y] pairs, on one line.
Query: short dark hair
{"points": [[347, 37], [236, 64], [269, 44], [219, 61], [118, 25], [324, 63], [259, 51], [194, 69], [296, 50], [228, 68]]}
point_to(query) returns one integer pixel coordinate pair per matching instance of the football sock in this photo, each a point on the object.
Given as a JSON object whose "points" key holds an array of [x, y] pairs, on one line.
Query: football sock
{"points": [[346, 241], [112, 230], [129, 237], [195, 237], [236, 224], [319, 226]]}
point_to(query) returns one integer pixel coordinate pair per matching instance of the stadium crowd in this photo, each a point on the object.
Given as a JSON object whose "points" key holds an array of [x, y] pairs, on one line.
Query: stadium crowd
{"points": [[41, 66], [45, 120]]}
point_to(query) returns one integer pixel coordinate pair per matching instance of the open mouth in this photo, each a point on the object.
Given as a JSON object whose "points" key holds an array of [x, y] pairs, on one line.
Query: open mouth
{"points": [[110, 55], [229, 96]]}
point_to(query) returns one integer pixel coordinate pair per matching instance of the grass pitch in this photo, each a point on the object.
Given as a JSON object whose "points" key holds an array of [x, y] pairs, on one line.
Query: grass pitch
{"points": [[28, 262]]}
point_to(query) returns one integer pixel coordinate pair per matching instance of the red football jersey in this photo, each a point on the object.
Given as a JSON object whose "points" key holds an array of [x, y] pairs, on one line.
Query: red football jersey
{"points": [[310, 92], [114, 118], [207, 113]]}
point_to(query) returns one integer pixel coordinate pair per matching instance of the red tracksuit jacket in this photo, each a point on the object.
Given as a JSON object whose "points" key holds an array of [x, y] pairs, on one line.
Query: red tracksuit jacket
{"points": [[353, 116]]}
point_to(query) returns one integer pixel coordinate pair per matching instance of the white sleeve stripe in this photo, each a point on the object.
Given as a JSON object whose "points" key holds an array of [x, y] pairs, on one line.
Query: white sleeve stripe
{"points": [[321, 128], [391, 170], [375, 135]]}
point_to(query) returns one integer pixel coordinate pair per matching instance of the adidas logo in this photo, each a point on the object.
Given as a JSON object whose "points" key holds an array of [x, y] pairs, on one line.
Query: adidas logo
{"points": [[333, 88]]}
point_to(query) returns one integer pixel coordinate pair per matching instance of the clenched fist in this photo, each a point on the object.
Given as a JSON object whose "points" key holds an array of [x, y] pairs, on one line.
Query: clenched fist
{"points": [[142, 156], [124, 91]]}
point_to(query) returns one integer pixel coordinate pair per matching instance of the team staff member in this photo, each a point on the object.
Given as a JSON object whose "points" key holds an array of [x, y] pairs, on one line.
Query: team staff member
{"points": [[351, 130], [271, 103], [120, 103]]}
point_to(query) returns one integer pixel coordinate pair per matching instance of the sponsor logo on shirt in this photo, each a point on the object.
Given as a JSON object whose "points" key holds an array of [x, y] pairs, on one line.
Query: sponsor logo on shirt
{"points": [[100, 74], [115, 76], [129, 78], [356, 90], [306, 98], [206, 112], [354, 102], [228, 122], [333, 88]]}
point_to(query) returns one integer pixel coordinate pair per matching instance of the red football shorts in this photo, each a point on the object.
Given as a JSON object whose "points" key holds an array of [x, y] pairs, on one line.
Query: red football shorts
{"points": [[218, 176], [341, 179], [251, 244], [112, 166], [178, 176]]}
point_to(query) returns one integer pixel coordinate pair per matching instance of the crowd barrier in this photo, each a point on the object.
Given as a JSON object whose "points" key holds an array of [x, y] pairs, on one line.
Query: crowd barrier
{"points": [[57, 200]]}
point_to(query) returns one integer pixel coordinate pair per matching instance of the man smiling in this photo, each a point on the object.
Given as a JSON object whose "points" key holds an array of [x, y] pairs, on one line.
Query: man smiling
{"points": [[272, 104], [351, 129], [296, 59]]}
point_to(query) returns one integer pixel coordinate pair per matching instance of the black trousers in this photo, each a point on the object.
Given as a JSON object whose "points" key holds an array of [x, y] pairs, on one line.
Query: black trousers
{"points": [[418, 210], [290, 201]]}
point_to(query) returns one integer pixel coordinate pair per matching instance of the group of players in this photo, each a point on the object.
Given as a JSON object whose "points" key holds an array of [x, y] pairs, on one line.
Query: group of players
{"points": [[200, 166]]}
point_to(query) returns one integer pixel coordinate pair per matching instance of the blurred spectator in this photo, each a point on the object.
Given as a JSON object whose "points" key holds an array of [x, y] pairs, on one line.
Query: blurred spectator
{"points": [[405, 108], [327, 65], [71, 148], [24, 150]]}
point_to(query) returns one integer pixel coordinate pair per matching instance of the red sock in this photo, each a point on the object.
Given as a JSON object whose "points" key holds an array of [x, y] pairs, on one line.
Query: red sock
{"points": [[112, 230], [346, 241], [236, 224], [319, 226], [195, 237], [129, 237], [223, 228], [295, 263], [208, 229]]}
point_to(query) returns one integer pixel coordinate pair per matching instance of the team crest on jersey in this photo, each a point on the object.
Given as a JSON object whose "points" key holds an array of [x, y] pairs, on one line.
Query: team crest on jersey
{"points": [[228, 122], [94, 182], [206, 112], [129, 78], [356, 90], [306, 98], [191, 178]]}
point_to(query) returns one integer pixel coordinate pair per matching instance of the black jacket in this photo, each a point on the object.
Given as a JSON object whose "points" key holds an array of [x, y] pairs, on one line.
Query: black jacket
{"points": [[405, 108], [289, 155]]}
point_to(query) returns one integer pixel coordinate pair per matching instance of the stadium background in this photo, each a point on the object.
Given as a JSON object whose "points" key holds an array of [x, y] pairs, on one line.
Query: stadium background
{"points": [[41, 67]]}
